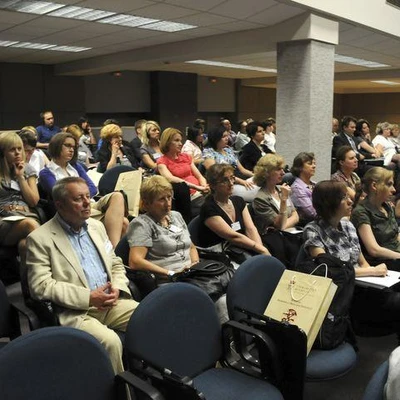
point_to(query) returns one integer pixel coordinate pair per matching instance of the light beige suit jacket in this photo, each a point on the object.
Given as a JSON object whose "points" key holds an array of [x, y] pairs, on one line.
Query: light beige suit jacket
{"points": [[55, 273]]}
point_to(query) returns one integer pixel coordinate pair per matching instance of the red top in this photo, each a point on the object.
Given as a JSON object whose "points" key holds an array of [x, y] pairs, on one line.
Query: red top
{"points": [[181, 168]]}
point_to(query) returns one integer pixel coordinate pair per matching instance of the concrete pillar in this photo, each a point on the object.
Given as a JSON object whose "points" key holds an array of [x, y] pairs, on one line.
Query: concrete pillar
{"points": [[304, 103], [304, 99]]}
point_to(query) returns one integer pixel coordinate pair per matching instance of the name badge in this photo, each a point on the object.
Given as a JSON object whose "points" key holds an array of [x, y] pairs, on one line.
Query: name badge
{"points": [[236, 226], [175, 229]]}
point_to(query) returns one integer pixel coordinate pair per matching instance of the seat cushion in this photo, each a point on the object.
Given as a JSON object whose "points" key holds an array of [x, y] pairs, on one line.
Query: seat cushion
{"points": [[330, 364], [228, 384]]}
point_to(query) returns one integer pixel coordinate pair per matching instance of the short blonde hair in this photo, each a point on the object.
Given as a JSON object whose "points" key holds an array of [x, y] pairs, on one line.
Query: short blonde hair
{"points": [[167, 137], [381, 176], [153, 187], [145, 129], [266, 165], [109, 131], [381, 126], [7, 141], [75, 131]]}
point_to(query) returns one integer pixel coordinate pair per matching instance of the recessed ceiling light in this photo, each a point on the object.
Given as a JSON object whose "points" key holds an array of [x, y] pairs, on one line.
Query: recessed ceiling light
{"points": [[230, 65], [73, 49], [166, 26], [358, 61], [34, 46], [87, 14], [32, 7], [6, 43], [127, 20], [390, 83]]}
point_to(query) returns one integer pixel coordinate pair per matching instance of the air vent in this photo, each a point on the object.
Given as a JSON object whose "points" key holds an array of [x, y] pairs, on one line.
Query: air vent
{"points": [[395, 3]]}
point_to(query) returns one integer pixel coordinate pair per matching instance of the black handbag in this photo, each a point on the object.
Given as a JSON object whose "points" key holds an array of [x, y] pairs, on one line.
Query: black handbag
{"points": [[210, 275]]}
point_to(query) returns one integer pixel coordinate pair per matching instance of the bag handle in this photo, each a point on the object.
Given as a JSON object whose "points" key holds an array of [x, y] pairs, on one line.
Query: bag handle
{"points": [[292, 283]]}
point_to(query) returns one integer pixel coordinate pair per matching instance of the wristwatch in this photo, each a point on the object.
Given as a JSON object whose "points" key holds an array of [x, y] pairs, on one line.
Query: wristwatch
{"points": [[170, 274]]}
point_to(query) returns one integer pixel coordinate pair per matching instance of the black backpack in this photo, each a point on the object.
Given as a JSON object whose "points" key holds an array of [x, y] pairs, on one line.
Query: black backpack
{"points": [[336, 327]]}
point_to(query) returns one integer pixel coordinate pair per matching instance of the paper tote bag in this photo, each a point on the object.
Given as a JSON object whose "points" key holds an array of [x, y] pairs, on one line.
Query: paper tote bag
{"points": [[130, 182], [302, 300]]}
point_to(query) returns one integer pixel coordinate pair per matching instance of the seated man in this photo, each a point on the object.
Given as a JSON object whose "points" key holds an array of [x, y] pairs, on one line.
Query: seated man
{"points": [[71, 262]]}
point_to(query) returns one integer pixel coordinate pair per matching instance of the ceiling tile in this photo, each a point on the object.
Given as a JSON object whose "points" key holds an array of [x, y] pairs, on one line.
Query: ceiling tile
{"points": [[15, 17], [240, 9], [164, 12], [275, 15], [203, 5], [353, 35], [239, 26], [56, 23], [205, 19]]}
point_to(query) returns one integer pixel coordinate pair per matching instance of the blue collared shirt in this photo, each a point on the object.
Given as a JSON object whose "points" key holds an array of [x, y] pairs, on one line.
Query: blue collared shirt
{"points": [[45, 133], [89, 257]]}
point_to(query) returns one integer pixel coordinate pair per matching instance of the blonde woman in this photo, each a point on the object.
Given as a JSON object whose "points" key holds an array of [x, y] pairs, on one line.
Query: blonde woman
{"points": [[150, 149], [114, 150], [18, 194]]}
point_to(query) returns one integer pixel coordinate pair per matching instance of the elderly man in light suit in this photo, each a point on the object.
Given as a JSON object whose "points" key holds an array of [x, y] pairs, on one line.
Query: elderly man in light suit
{"points": [[71, 262]]}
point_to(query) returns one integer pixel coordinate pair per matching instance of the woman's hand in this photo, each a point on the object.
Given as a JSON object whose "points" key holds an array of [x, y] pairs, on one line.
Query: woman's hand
{"points": [[380, 270], [115, 145], [19, 169], [285, 191], [247, 184]]}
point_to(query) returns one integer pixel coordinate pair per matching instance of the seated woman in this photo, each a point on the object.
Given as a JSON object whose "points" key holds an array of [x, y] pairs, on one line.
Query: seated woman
{"points": [[34, 156], [18, 194], [346, 164], [114, 150], [85, 156], [159, 240], [150, 149], [255, 149], [180, 170], [362, 139], [303, 169], [194, 145], [383, 144], [273, 209], [226, 218], [110, 208], [218, 152], [332, 233], [375, 220]]}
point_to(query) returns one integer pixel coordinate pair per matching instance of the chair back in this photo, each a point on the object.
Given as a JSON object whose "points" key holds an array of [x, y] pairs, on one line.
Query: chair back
{"points": [[5, 312], [57, 362], [110, 177], [194, 230], [376, 386], [122, 250], [253, 284], [175, 327]]}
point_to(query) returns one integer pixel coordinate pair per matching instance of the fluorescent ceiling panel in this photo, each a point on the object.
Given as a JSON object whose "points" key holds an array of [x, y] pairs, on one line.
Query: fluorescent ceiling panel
{"points": [[32, 7], [230, 65], [87, 14], [127, 20], [6, 43], [72, 49], [390, 83], [358, 61], [35, 46], [166, 26]]}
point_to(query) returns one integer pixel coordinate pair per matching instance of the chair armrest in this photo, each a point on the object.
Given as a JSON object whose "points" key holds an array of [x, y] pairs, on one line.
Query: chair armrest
{"points": [[138, 384], [267, 367], [19, 306]]}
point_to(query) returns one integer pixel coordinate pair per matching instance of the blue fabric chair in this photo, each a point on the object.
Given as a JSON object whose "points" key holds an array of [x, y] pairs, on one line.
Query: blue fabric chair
{"points": [[376, 386], [62, 363], [194, 230], [175, 338], [251, 289]]}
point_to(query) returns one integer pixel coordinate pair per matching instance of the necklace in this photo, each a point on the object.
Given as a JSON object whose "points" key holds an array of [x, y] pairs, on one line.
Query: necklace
{"points": [[165, 222], [228, 205]]}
